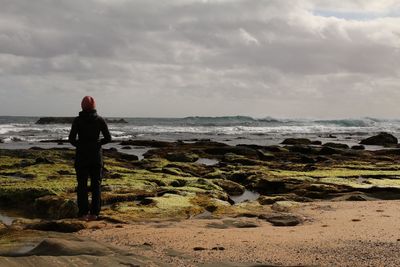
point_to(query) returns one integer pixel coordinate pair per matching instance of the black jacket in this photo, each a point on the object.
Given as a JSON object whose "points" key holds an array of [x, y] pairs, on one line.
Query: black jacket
{"points": [[87, 127]]}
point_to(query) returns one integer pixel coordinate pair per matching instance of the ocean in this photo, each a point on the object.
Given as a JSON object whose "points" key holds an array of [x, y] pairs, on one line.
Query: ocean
{"points": [[23, 132]]}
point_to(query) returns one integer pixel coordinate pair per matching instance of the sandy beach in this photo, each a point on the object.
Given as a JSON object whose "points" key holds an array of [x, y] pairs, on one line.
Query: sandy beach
{"points": [[334, 234]]}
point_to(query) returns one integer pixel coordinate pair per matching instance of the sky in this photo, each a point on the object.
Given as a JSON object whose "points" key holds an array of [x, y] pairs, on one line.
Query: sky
{"points": [[177, 58]]}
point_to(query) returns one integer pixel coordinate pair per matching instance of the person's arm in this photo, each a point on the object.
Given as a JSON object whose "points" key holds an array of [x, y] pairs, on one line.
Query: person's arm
{"points": [[106, 134], [73, 133]]}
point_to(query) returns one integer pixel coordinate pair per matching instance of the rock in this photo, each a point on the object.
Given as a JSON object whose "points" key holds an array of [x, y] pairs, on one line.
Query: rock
{"points": [[238, 150], [267, 186], [296, 141], [243, 224], [358, 147], [181, 157], [322, 159], [267, 200], [60, 247], [148, 143], [264, 155], [55, 207], [382, 139], [128, 157], [302, 149], [336, 145], [115, 176], [354, 197], [282, 220], [275, 148], [25, 163], [233, 158], [285, 206], [65, 172], [63, 226], [316, 143], [178, 183], [199, 248], [357, 198], [305, 159], [232, 188], [3, 227], [326, 150]]}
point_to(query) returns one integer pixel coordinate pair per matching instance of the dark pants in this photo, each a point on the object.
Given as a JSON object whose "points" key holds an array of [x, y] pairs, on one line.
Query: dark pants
{"points": [[95, 174]]}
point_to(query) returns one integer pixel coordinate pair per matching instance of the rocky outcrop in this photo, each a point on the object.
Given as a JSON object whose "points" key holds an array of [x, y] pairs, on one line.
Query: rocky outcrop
{"points": [[382, 139], [282, 219], [149, 143], [55, 207], [62, 226], [181, 157], [296, 141], [232, 188], [336, 145]]}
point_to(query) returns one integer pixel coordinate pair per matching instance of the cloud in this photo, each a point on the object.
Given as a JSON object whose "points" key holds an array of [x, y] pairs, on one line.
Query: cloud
{"points": [[176, 57]]}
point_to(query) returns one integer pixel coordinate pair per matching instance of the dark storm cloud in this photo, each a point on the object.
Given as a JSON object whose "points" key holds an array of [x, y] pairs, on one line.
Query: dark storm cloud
{"points": [[185, 57]]}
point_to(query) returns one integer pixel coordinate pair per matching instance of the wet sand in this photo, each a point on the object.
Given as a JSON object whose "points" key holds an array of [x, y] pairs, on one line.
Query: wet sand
{"points": [[365, 233]]}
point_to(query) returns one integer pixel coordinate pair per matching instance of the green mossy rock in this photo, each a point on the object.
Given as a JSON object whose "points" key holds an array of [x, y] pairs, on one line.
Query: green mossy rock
{"points": [[230, 187], [55, 207], [181, 157]]}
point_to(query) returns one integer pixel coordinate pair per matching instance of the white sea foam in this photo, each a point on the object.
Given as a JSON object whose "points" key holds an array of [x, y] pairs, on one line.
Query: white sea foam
{"points": [[204, 127]]}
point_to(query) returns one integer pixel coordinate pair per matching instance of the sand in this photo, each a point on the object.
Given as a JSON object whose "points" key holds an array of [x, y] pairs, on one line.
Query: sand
{"points": [[365, 233]]}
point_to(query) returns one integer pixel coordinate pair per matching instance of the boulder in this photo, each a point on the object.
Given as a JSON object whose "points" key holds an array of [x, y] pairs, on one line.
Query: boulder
{"points": [[316, 143], [230, 187], [41, 160], [3, 227], [148, 143], [181, 157], [282, 219], [55, 207], [382, 139], [178, 183], [275, 148], [63, 226], [265, 155], [285, 206], [296, 141], [302, 149], [336, 145], [358, 147], [233, 158], [238, 150], [327, 150], [268, 200]]}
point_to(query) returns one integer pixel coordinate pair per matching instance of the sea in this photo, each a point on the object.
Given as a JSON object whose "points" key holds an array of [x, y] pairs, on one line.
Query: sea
{"points": [[23, 132]]}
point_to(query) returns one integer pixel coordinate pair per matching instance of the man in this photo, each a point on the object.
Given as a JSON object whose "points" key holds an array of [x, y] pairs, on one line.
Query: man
{"points": [[85, 136]]}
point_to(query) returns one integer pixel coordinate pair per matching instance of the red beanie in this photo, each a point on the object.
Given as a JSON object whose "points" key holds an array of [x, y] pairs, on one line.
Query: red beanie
{"points": [[88, 103]]}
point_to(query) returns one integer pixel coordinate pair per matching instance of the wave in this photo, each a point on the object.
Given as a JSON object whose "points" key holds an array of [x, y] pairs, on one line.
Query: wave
{"points": [[12, 130]]}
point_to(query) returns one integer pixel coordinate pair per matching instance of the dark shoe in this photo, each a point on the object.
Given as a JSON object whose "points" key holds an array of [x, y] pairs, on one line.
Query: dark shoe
{"points": [[92, 217]]}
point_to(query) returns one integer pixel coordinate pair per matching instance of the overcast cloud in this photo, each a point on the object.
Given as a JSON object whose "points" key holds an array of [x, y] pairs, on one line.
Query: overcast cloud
{"points": [[283, 58]]}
